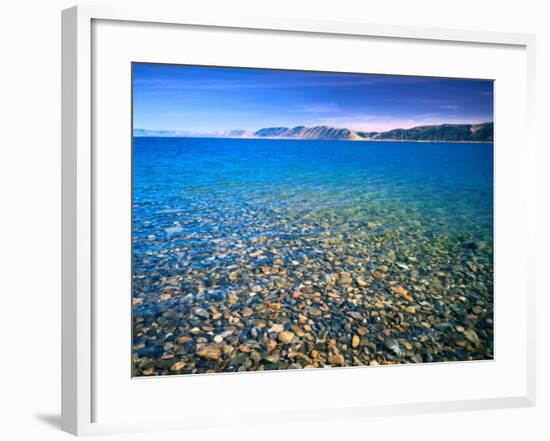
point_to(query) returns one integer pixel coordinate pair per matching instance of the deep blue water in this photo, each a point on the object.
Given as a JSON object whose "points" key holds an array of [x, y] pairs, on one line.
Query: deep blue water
{"points": [[193, 196]]}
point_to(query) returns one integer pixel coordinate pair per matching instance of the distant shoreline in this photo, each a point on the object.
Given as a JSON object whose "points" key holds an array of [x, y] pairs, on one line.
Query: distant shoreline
{"points": [[275, 138], [470, 133]]}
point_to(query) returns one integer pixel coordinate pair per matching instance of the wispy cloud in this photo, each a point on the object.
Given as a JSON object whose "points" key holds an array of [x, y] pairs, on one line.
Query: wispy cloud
{"points": [[211, 98]]}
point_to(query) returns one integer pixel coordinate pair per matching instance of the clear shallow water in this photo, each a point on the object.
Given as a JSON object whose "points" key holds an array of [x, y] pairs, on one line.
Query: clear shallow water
{"points": [[205, 207], [219, 187]]}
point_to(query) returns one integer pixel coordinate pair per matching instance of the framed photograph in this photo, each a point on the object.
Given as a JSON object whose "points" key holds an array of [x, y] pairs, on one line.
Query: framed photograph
{"points": [[259, 209]]}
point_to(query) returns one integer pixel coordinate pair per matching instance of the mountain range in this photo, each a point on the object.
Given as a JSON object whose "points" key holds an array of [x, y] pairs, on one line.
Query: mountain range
{"points": [[444, 133]]}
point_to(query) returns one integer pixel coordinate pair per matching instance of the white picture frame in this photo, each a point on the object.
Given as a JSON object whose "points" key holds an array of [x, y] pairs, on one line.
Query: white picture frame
{"points": [[79, 201]]}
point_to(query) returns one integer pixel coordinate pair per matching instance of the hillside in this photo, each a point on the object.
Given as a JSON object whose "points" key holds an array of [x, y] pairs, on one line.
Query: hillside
{"points": [[443, 133], [301, 132]]}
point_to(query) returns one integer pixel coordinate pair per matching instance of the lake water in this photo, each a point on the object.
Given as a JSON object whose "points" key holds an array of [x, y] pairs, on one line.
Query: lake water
{"points": [[263, 219]]}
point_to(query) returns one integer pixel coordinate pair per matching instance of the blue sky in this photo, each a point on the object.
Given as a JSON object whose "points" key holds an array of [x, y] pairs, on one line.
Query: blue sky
{"points": [[195, 98]]}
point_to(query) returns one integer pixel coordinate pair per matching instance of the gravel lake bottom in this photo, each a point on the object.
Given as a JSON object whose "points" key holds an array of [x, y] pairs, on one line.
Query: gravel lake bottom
{"points": [[264, 254]]}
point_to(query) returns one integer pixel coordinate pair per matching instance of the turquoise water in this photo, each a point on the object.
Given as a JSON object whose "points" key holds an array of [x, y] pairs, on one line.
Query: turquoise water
{"points": [[201, 185], [204, 207]]}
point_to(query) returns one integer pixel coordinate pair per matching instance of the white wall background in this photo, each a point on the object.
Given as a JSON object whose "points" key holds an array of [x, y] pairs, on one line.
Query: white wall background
{"points": [[30, 217]]}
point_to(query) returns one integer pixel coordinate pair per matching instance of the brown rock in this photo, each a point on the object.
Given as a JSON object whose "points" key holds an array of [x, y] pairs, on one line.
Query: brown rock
{"points": [[471, 336], [276, 328], [272, 358], [298, 356], [244, 348], [210, 353], [286, 337], [336, 359], [314, 312], [360, 282], [402, 292], [362, 331], [177, 366], [345, 281]]}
